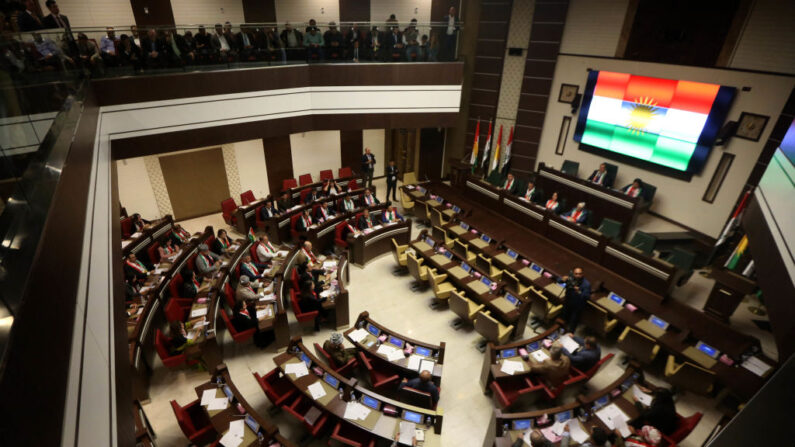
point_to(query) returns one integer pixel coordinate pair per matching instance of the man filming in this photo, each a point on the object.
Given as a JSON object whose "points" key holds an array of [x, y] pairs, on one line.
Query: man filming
{"points": [[578, 291]]}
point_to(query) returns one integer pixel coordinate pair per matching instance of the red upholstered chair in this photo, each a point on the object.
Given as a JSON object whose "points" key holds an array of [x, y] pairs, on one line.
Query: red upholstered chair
{"points": [[161, 346], [154, 253], [326, 174], [338, 240], [192, 261], [345, 172], [258, 218], [289, 183], [229, 294], [301, 316], [247, 197], [298, 409], [506, 392], [380, 378], [253, 251], [174, 286], [684, 425], [304, 193], [238, 337], [305, 179], [194, 422], [126, 227], [346, 370], [352, 185], [277, 389], [293, 227], [175, 310], [294, 278], [228, 208], [592, 372], [210, 241], [349, 434]]}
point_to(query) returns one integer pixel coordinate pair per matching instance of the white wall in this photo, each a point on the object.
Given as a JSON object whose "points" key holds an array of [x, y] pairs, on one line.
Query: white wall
{"points": [[675, 199], [374, 139], [135, 189], [207, 12], [300, 11], [95, 13], [593, 27], [768, 41], [250, 158], [315, 151]]}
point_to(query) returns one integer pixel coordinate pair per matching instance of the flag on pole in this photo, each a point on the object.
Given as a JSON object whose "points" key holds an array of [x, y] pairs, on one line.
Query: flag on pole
{"points": [[734, 259], [735, 219], [496, 159], [251, 236], [506, 156], [486, 149], [474, 160]]}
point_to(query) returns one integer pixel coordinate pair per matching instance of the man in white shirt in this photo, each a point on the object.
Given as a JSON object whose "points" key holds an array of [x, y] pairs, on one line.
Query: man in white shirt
{"points": [[265, 250], [107, 48], [219, 41], [450, 35]]}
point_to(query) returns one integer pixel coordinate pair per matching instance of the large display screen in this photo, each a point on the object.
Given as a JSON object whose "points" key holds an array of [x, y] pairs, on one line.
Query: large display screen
{"points": [[664, 122]]}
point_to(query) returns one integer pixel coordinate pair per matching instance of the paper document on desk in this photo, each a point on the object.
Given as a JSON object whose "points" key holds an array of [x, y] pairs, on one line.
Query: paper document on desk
{"points": [[549, 434], [328, 293], [426, 365], [511, 367], [208, 396], [160, 271], [644, 398], [281, 253], [236, 428], [756, 366], [135, 235], [539, 355], [576, 431], [198, 312], [264, 313], [269, 297], [612, 416], [356, 411], [316, 390], [230, 440], [392, 354], [125, 243], [234, 247], [414, 362], [328, 265], [569, 344], [218, 403], [298, 369], [621, 425], [558, 427], [358, 335], [406, 432]]}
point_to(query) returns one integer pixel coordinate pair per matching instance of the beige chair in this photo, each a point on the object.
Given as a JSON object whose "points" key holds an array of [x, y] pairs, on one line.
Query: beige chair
{"points": [[409, 178], [463, 249], [465, 308], [638, 345], [437, 218], [689, 376], [425, 215], [441, 289], [399, 252], [514, 283], [597, 319], [541, 308], [491, 329], [419, 272], [406, 203], [439, 234], [485, 263]]}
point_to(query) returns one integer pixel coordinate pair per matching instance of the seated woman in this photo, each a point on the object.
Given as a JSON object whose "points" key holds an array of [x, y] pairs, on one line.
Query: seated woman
{"points": [[179, 337], [222, 243], [661, 414], [309, 302], [244, 316], [179, 235], [167, 249], [330, 187], [138, 223], [553, 204], [190, 285]]}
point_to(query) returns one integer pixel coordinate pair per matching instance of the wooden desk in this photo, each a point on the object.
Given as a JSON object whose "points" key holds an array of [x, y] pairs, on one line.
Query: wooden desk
{"points": [[154, 232], [492, 361], [377, 423], [401, 365], [322, 234], [369, 246]]}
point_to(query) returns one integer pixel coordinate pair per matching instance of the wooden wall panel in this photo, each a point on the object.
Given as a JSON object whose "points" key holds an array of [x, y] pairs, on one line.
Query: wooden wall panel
{"points": [[440, 8], [278, 161], [351, 149], [259, 11], [354, 10], [196, 182]]}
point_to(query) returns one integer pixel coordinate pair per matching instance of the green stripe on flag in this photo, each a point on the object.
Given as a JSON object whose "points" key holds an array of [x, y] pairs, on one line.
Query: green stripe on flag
{"points": [[597, 133], [634, 144], [673, 153]]}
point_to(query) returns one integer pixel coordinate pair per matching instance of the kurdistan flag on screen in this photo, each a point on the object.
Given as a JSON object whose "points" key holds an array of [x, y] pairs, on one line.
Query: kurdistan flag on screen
{"points": [[653, 119]]}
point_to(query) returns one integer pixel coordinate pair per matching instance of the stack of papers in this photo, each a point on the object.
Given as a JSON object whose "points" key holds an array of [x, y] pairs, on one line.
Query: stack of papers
{"points": [[392, 354], [298, 369], [426, 365], [407, 432], [756, 366], [234, 436], [198, 312], [614, 418], [642, 397], [511, 367], [576, 432], [265, 313], [356, 411], [558, 427], [358, 335], [539, 355], [316, 390], [329, 265], [569, 344], [269, 297], [414, 362], [213, 403]]}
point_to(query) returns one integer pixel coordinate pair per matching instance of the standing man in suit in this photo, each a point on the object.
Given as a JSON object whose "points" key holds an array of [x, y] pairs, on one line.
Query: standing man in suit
{"points": [[600, 176], [27, 20], [450, 36], [391, 180], [578, 292], [368, 166], [510, 184]]}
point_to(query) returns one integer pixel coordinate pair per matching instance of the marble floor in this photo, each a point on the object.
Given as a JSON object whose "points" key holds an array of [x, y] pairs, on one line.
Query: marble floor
{"points": [[390, 301]]}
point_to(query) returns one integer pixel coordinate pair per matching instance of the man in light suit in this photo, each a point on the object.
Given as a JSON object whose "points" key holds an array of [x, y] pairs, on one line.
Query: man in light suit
{"points": [[245, 290], [207, 262], [368, 166]]}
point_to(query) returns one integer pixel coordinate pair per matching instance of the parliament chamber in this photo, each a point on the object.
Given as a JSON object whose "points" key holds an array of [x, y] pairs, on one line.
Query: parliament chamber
{"points": [[397, 223]]}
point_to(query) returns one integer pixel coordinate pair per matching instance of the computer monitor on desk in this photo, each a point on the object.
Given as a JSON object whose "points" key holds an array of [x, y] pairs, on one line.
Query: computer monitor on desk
{"points": [[425, 352], [513, 254], [373, 403], [659, 322], [486, 281], [485, 238], [616, 299], [412, 416], [306, 359], [464, 225], [564, 416], [505, 353], [536, 268], [522, 424], [448, 254], [396, 341], [513, 300], [456, 209], [466, 267], [373, 330], [430, 241], [707, 349], [331, 380]]}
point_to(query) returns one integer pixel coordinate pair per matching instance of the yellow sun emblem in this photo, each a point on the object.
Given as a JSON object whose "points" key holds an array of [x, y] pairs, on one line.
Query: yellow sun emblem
{"points": [[643, 112]]}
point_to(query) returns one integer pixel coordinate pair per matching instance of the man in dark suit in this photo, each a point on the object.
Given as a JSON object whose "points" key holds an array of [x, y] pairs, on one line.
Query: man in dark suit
{"points": [[391, 180], [153, 50], [55, 19], [587, 356], [135, 270], [601, 176], [533, 194], [578, 214], [366, 221], [27, 20], [634, 189], [311, 196], [395, 49], [422, 383], [324, 212], [305, 221], [368, 166], [578, 292], [268, 210], [510, 184]]}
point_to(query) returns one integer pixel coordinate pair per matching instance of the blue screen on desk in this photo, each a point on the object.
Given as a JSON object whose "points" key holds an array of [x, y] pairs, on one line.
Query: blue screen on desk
{"points": [[370, 402], [464, 225], [508, 353], [228, 392], [485, 238], [512, 299], [429, 241], [522, 424], [396, 341], [486, 281], [456, 209], [448, 254], [553, 336], [615, 298], [331, 380], [252, 423], [564, 416], [601, 402], [513, 254], [439, 199], [466, 267], [419, 350], [659, 322], [534, 346], [707, 349], [562, 285], [306, 359], [536, 267], [412, 417], [373, 330]]}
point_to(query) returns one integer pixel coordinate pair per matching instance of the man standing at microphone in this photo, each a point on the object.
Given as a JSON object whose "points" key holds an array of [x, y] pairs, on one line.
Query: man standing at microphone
{"points": [[578, 291]]}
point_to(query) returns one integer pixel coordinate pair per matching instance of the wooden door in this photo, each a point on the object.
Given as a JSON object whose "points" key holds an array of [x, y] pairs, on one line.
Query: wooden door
{"points": [[403, 149]]}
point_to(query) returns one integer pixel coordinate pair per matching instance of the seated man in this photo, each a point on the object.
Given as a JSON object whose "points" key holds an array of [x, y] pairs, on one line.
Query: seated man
{"points": [[600, 176], [251, 269], [391, 216], [553, 204], [577, 215], [349, 229], [313, 260], [311, 196], [422, 383], [533, 194], [369, 198], [268, 210], [305, 221], [510, 184], [555, 369], [365, 221], [585, 357], [537, 439], [285, 203], [347, 204], [265, 250], [222, 242], [179, 235], [634, 189], [245, 290], [338, 353], [190, 286], [207, 262], [244, 316], [135, 270], [324, 212]]}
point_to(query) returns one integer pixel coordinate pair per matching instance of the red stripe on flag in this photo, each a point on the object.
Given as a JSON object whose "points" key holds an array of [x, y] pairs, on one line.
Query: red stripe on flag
{"points": [[658, 91], [611, 85], [694, 96]]}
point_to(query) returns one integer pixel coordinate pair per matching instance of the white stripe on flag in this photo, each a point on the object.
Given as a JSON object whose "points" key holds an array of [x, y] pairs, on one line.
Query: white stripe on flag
{"points": [[672, 123]]}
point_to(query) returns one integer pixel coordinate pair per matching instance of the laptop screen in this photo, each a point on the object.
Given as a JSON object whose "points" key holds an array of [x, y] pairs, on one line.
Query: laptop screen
{"points": [[485, 238], [535, 267], [508, 353], [464, 225], [370, 402], [513, 254], [512, 299], [617, 299], [306, 359], [534, 346], [331, 380], [412, 417], [486, 281], [707, 349], [466, 267], [659, 322], [522, 424], [419, 350], [373, 330], [396, 341], [563, 416]]}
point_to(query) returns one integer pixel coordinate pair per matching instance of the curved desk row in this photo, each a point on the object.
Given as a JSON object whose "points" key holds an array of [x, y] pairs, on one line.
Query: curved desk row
{"points": [[493, 358], [154, 231], [367, 335], [322, 234], [369, 246], [338, 393]]}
